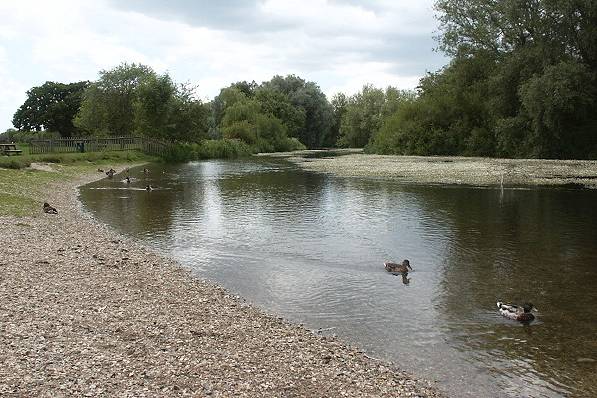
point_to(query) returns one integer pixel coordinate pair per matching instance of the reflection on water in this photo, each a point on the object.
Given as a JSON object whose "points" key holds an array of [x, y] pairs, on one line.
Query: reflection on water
{"points": [[311, 247]]}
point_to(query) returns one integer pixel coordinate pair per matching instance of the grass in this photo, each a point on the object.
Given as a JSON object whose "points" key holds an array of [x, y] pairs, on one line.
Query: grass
{"points": [[21, 187], [25, 160]]}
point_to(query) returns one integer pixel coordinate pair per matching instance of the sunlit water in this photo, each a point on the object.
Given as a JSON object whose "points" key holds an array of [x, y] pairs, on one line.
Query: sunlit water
{"points": [[311, 247]]}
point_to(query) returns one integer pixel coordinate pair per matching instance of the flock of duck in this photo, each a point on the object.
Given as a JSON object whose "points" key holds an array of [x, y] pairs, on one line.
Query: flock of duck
{"points": [[47, 208], [522, 313], [127, 179], [511, 311]]}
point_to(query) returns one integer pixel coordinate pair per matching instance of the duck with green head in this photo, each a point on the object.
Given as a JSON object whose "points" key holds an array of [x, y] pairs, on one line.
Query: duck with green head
{"points": [[514, 312]]}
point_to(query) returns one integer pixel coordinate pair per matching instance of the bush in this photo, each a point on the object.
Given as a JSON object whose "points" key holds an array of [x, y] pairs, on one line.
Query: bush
{"points": [[12, 135], [14, 163], [19, 162], [208, 149]]}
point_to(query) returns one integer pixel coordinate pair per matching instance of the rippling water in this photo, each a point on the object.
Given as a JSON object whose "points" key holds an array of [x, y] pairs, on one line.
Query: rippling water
{"points": [[311, 248]]}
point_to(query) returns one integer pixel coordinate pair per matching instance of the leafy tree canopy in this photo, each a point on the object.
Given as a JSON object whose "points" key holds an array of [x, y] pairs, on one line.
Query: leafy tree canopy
{"points": [[51, 106]]}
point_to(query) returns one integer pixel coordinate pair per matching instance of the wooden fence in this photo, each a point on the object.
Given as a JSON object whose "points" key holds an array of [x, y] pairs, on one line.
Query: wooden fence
{"points": [[72, 145]]}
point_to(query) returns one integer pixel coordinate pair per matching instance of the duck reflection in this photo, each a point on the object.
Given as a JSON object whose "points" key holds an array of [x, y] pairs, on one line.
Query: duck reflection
{"points": [[405, 278]]}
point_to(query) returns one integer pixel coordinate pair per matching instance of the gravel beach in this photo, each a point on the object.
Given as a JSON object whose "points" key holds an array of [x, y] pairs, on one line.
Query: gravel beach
{"points": [[86, 312], [454, 170]]}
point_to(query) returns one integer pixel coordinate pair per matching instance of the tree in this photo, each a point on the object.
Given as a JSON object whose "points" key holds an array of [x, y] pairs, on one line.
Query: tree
{"points": [[276, 103], [364, 114], [51, 106], [339, 103], [133, 98], [522, 83], [245, 119], [310, 101], [108, 104], [167, 111], [561, 105]]}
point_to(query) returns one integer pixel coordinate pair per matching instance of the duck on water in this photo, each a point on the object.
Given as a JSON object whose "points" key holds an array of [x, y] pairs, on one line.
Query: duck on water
{"points": [[398, 268], [514, 312]]}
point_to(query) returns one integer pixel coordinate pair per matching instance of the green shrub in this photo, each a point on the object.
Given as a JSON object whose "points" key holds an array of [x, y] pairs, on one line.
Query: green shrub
{"points": [[14, 163], [19, 162]]}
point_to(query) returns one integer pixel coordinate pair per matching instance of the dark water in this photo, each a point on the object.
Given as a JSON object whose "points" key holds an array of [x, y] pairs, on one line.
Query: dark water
{"points": [[311, 247]]}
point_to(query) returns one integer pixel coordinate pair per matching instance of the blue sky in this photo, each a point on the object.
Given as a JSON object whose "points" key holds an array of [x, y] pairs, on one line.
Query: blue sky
{"points": [[340, 44]]}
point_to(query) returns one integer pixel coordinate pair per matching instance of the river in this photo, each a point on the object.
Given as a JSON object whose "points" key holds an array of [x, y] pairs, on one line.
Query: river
{"points": [[310, 247]]}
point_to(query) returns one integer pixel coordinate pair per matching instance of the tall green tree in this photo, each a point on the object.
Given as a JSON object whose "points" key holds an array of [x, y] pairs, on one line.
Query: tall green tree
{"points": [[133, 99], [108, 104], [364, 114], [522, 83], [51, 106], [339, 104], [309, 101]]}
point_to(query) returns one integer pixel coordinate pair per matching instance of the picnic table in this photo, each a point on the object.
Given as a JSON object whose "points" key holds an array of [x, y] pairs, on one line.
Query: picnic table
{"points": [[9, 149]]}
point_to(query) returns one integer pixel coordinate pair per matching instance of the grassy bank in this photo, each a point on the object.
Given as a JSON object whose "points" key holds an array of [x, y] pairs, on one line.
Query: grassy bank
{"points": [[21, 186], [25, 160]]}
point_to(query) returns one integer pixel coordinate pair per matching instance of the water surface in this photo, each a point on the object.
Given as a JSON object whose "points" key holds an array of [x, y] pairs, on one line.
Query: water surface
{"points": [[311, 247]]}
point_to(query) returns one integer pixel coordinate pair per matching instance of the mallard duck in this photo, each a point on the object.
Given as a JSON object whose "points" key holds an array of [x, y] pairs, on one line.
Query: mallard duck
{"points": [[127, 180], [49, 209], [511, 311], [149, 188], [401, 268]]}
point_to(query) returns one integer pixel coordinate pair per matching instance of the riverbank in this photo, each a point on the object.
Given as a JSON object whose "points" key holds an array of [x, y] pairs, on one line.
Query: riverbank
{"points": [[87, 312], [454, 170]]}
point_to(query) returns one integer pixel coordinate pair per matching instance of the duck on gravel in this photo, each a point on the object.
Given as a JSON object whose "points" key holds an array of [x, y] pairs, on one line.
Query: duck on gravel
{"points": [[397, 268], [49, 209], [514, 312]]}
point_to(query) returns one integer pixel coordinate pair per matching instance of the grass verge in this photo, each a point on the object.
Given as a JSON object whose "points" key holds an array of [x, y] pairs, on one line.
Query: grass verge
{"points": [[23, 161], [21, 187]]}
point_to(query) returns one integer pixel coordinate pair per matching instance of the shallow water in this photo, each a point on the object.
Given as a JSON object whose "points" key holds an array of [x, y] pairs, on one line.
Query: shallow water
{"points": [[311, 247]]}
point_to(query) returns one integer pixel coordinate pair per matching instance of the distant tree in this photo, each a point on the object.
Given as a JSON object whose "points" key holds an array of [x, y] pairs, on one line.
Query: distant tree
{"points": [[309, 100], [364, 114], [51, 106], [244, 119], [228, 96], [108, 104], [167, 111], [339, 104], [278, 104], [132, 98], [522, 83], [245, 87]]}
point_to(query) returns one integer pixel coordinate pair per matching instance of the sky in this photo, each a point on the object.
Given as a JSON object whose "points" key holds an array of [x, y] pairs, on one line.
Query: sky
{"points": [[339, 44]]}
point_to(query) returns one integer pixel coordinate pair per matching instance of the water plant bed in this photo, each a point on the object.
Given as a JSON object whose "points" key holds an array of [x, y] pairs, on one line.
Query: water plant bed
{"points": [[458, 170]]}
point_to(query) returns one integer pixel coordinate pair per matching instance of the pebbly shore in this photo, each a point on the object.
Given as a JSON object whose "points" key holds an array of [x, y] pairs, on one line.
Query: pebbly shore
{"points": [[87, 312], [452, 169]]}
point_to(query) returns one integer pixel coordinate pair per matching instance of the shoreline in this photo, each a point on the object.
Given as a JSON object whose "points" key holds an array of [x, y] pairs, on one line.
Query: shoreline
{"points": [[85, 311], [449, 170]]}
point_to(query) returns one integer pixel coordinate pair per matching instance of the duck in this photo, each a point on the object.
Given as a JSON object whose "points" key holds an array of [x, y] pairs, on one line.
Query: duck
{"points": [[49, 209], [145, 170], [514, 312], [127, 180], [401, 268], [110, 173], [149, 188]]}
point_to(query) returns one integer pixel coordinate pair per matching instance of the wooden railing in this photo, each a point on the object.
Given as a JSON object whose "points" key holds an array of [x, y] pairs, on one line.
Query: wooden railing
{"points": [[71, 145]]}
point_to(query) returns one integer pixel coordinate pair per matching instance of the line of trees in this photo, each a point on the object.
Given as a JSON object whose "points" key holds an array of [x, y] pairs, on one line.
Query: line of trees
{"points": [[522, 82]]}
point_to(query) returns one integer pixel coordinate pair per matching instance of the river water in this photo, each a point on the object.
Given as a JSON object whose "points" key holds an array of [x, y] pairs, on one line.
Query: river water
{"points": [[310, 247]]}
